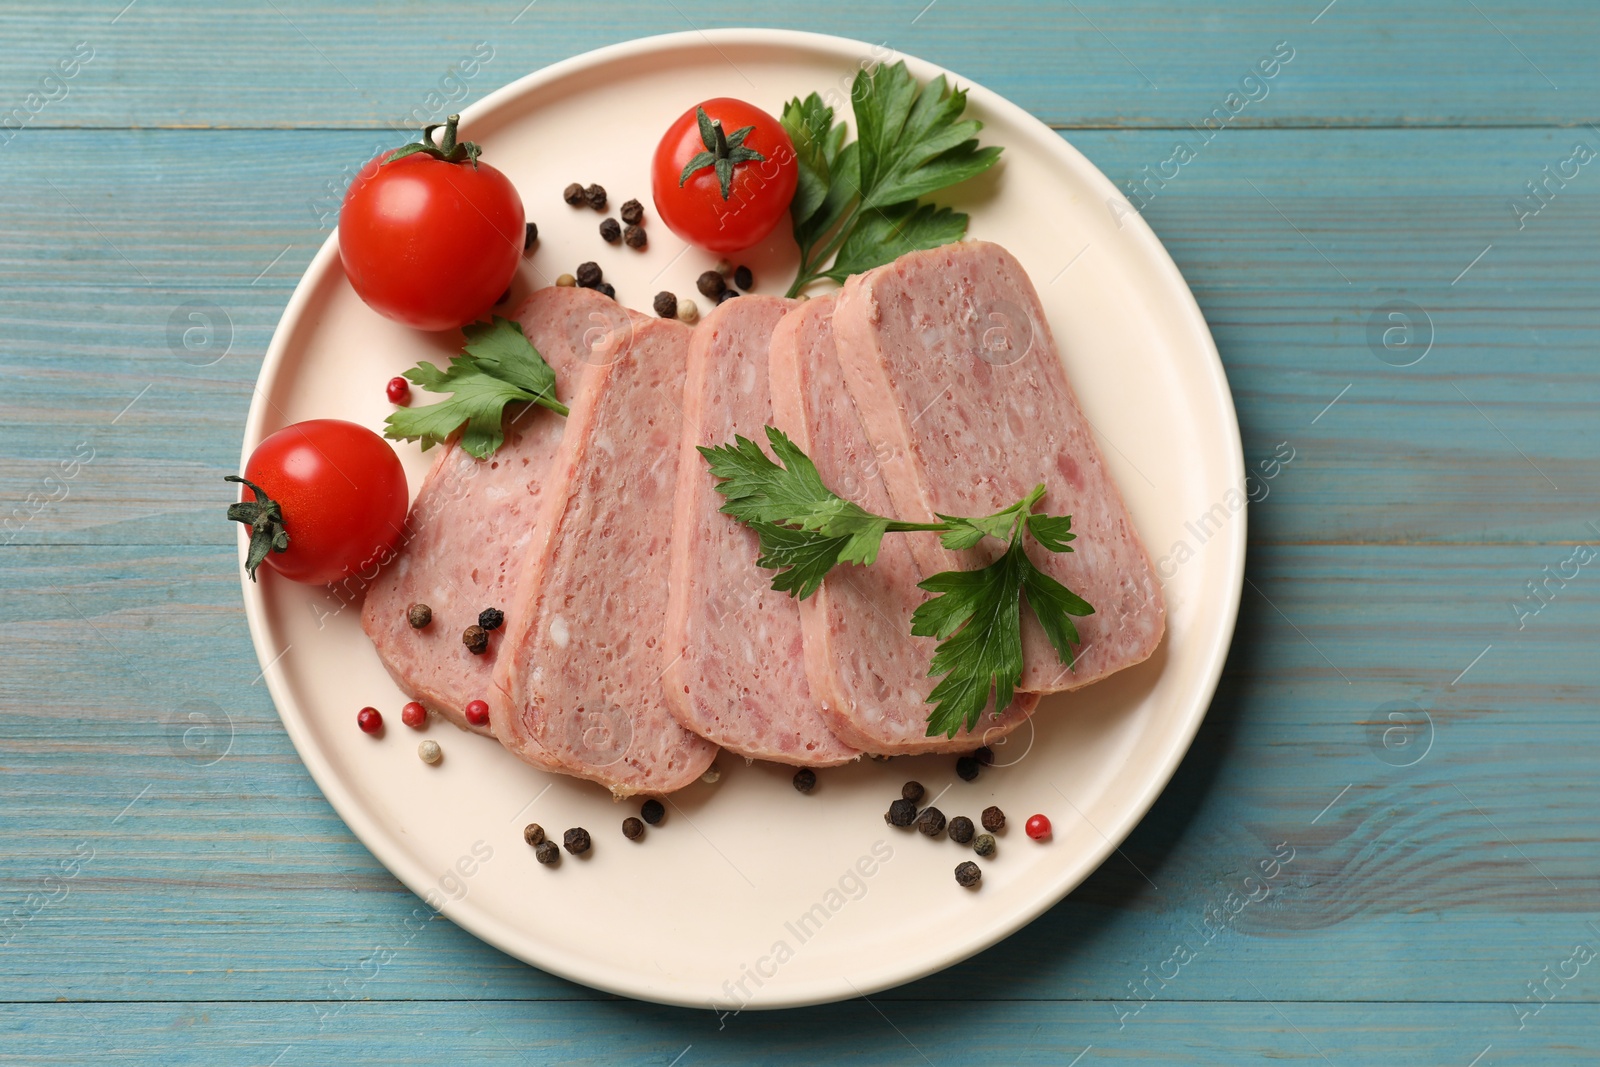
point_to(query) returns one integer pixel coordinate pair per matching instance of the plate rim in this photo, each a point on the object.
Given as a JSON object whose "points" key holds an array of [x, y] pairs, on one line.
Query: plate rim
{"points": [[586, 971]]}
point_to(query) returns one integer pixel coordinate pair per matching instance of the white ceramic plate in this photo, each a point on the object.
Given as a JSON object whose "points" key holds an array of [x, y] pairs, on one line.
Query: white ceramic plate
{"points": [[751, 894]]}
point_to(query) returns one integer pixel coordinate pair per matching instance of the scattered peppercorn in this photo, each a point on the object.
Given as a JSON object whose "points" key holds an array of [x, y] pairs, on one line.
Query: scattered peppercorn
{"points": [[607, 288], [533, 834], [573, 194], [710, 284], [666, 305], [595, 196], [398, 391], [370, 720], [724, 267], [633, 212], [635, 237], [419, 615], [985, 756], [530, 237], [1038, 827], [589, 274], [967, 768], [610, 230], [983, 844], [805, 779], [566, 281], [994, 820], [429, 752], [968, 874], [576, 841], [414, 715], [688, 312], [743, 278], [491, 618], [653, 811], [960, 829], [476, 638], [930, 822], [547, 853], [632, 828], [726, 295], [901, 813], [477, 713], [912, 791], [712, 776]]}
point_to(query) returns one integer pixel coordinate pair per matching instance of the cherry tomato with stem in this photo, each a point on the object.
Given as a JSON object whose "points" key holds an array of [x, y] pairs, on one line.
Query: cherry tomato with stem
{"points": [[724, 174]]}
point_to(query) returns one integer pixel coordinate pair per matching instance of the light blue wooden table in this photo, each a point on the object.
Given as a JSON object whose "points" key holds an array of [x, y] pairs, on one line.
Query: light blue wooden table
{"points": [[1410, 703]]}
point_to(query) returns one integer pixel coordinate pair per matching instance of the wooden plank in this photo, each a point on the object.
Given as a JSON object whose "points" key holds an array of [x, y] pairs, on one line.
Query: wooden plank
{"points": [[1096, 63]]}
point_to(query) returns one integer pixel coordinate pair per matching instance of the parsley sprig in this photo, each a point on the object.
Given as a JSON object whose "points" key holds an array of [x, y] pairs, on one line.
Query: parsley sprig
{"points": [[858, 204], [497, 366], [805, 530]]}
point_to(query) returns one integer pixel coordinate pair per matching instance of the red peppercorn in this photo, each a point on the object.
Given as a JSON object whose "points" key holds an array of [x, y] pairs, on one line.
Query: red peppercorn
{"points": [[478, 713], [399, 391], [414, 715], [1038, 827], [370, 720]]}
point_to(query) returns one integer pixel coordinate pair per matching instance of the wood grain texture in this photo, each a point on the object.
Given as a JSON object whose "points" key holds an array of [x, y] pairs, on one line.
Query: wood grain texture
{"points": [[1401, 708]]}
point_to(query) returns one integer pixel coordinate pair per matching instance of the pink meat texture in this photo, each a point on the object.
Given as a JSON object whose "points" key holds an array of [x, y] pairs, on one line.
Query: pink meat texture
{"points": [[948, 356], [735, 669], [580, 670], [868, 674], [473, 520]]}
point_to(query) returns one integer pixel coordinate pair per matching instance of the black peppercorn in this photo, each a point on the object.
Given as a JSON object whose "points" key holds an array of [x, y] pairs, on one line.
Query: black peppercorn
{"points": [[491, 618], [653, 811], [533, 834], [611, 230], [633, 212], [994, 820], [666, 305], [901, 813], [635, 237], [930, 822], [805, 779], [967, 768], [573, 194], [912, 791], [595, 196], [960, 829], [710, 284], [985, 756], [632, 828], [743, 278], [530, 236], [968, 874], [547, 853], [476, 638], [419, 615], [504, 297], [983, 844], [576, 841], [588, 274], [607, 288], [726, 295]]}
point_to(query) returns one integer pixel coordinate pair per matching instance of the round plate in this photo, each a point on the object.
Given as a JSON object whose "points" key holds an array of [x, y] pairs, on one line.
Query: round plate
{"points": [[750, 894]]}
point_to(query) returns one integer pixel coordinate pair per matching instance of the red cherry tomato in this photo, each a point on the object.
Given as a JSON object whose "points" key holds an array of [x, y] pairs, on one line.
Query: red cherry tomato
{"points": [[431, 242], [759, 190], [341, 494], [1038, 827]]}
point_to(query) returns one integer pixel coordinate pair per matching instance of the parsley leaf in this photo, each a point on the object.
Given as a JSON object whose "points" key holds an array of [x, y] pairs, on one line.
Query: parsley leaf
{"points": [[859, 201], [978, 617], [497, 366]]}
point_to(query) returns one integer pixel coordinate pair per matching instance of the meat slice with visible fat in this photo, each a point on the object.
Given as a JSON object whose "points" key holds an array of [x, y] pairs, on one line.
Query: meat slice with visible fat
{"points": [[579, 675], [948, 356], [735, 671], [867, 672], [473, 520]]}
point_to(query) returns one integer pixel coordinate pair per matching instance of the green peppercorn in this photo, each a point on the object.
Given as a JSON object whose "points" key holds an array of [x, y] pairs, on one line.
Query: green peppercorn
{"points": [[994, 820], [576, 841], [711, 284], [805, 779], [968, 874], [983, 845], [632, 828], [633, 212], [967, 768], [491, 618], [653, 811], [931, 822], [533, 833], [476, 638], [566, 281], [419, 615], [960, 829], [912, 791], [611, 231], [547, 853], [666, 305], [901, 813]]}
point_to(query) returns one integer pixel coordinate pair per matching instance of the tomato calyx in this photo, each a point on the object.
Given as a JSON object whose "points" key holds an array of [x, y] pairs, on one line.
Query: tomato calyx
{"points": [[724, 151], [448, 150], [264, 516]]}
